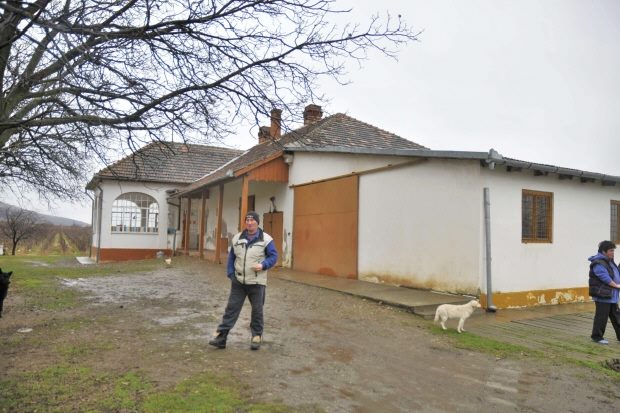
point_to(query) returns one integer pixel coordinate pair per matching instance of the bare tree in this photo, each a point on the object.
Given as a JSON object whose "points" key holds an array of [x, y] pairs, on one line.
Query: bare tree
{"points": [[82, 77], [18, 225]]}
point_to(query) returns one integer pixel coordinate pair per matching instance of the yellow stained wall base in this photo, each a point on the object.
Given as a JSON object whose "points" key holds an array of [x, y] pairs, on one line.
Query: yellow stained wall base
{"points": [[515, 299]]}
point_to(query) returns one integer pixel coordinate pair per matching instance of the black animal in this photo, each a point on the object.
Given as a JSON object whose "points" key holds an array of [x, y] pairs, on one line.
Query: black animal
{"points": [[4, 286]]}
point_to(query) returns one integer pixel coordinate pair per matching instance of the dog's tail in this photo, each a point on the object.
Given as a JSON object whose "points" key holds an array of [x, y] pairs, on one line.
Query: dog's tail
{"points": [[437, 315]]}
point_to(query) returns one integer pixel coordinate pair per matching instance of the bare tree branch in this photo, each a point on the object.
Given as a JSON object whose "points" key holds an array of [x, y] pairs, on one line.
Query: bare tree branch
{"points": [[81, 77]]}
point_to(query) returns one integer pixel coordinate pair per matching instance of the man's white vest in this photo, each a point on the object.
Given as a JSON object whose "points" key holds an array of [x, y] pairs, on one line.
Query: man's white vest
{"points": [[246, 258]]}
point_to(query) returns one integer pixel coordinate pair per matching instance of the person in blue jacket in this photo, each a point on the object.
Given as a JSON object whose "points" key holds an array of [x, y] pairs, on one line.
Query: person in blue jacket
{"points": [[606, 270], [252, 253]]}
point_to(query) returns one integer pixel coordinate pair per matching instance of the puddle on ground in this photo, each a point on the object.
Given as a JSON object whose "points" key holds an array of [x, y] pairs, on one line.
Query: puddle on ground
{"points": [[126, 290], [183, 314], [71, 282], [38, 263]]}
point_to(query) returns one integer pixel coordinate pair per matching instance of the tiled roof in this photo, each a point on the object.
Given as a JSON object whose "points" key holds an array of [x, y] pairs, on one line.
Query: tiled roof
{"points": [[169, 162], [338, 130], [344, 131]]}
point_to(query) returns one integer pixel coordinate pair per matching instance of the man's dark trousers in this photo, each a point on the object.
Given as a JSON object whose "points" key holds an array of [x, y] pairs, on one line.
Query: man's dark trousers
{"points": [[238, 292], [603, 312]]}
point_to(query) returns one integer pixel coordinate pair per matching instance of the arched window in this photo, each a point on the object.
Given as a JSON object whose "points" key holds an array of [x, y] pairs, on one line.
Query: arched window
{"points": [[135, 212]]}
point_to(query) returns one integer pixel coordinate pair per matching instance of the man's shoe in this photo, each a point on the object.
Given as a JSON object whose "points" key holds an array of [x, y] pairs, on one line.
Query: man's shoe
{"points": [[219, 340], [602, 341], [255, 343]]}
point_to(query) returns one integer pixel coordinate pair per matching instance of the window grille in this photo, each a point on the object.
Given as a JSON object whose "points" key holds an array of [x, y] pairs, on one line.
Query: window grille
{"points": [[135, 212], [536, 216]]}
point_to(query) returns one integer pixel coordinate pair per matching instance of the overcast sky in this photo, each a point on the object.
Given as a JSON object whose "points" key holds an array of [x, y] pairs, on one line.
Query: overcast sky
{"points": [[535, 80]]}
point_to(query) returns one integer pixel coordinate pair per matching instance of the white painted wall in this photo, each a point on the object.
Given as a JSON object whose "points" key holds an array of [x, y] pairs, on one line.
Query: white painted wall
{"points": [[419, 225], [581, 219], [111, 191], [211, 213], [308, 167], [230, 218]]}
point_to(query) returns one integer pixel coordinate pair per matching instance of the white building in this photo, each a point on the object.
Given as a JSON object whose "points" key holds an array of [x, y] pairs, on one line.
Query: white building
{"points": [[132, 218], [344, 198]]}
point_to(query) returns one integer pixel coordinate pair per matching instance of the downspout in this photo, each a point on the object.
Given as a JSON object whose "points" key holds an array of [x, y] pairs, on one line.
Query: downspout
{"points": [[487, 232], [99, 211]]}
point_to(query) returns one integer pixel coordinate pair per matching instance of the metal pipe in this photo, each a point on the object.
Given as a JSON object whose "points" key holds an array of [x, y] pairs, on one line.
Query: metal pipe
{"points": [[487, 232]]}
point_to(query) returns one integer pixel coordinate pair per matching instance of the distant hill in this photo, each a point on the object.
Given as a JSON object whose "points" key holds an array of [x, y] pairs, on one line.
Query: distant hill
{"points": [[49, 219]]}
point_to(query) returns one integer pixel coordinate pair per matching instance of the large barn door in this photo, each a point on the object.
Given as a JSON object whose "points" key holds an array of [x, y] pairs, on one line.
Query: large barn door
{"points": [[325, 227]]}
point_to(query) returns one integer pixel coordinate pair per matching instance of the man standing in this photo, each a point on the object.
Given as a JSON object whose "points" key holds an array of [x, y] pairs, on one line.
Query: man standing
{"points": [[251, 255], [604, 283]]}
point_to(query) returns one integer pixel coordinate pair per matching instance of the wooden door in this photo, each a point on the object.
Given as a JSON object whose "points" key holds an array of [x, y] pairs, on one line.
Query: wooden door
{"points": [[325, 227], [273, 224]]}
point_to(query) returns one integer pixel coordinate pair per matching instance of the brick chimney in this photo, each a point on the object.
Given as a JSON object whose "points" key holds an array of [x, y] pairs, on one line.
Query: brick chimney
{"points": [[312, 113], [263, 134], [276, 124]]}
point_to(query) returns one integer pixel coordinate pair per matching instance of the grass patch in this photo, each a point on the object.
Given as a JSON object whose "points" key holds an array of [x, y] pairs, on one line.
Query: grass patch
{"points": [[55, 388], [561, 347], [73, 352], [73, 388], [473, 342], [556, 350], [203, 393], [127, 394], [66, 388], [600, 367], [193, 396]]}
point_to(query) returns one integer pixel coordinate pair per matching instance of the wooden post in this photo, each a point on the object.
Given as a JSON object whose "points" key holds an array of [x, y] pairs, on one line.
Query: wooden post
{"points": [[245, 189], [203, 224], [188, 224], [218, 225]]}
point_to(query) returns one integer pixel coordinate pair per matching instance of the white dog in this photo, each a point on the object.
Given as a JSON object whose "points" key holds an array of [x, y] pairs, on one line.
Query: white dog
{"points": [[462, 312]]}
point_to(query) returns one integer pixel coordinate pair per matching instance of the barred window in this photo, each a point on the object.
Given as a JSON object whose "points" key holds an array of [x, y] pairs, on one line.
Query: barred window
{"points": [[615, 221], [135, 212], [536, 216]]}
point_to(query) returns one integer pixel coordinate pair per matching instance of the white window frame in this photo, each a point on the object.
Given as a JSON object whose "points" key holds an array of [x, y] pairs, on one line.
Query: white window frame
{"points": [[135, 213]]}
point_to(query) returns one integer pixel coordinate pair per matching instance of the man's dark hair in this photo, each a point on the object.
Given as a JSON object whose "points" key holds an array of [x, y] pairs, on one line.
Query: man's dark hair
{"points": [[605, 246]]}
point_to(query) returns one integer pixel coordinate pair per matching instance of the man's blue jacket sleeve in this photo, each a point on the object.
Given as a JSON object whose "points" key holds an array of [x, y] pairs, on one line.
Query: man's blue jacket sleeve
{"points": [[230, 267], [271, 256]]}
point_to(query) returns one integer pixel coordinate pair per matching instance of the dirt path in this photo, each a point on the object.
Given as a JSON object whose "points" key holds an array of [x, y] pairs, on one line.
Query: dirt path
{"points": [[323, 351]]}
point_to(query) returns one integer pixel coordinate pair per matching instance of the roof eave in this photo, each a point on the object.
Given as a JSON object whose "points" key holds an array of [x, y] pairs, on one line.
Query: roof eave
{"points": [[92, 184], [491, 157], [97, 179], [423, 153], [585, 175], [198, 189]]}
